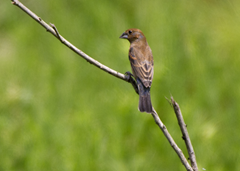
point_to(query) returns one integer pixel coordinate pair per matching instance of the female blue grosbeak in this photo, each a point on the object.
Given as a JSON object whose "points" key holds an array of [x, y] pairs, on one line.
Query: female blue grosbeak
{"points": [[141, 59]]}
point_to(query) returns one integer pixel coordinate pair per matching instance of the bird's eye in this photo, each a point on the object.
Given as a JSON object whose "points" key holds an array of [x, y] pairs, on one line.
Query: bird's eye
{"points": [[130, 31]]}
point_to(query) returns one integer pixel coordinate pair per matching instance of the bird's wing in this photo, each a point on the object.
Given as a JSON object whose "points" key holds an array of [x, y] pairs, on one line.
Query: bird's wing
{"points": [[142, 66]]}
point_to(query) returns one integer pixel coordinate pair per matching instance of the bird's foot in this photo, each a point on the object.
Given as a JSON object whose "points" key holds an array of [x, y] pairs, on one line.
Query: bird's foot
{"points": [[130, 79], [128, 75]]}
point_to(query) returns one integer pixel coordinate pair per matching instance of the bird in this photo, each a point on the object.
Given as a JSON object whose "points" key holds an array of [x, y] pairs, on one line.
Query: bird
{"points": [[141, 60]]}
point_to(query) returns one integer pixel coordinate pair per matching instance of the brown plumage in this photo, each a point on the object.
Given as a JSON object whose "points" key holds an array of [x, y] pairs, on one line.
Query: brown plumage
{"points": [[141, 59]]}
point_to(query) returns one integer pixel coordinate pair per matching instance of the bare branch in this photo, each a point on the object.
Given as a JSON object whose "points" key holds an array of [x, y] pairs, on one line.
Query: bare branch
{"points": [[53, 31], [171, 141], [127, 77], [185, 134]]}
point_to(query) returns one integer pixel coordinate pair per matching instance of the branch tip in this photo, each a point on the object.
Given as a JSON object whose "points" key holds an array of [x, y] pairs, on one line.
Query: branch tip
{"points": [[14, 2], [172, 100], [169, 101]]}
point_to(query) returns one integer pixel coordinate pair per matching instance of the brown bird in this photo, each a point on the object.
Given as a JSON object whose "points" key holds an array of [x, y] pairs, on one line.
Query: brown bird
{"points": [[141, 59]]}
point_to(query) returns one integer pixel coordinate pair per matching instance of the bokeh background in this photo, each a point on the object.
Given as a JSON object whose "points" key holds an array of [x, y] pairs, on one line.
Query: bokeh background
{"points": [[58, 112]]}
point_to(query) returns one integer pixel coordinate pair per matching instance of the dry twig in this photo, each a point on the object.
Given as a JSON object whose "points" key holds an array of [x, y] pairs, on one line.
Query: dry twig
{"points": [[185, 135], [171, 141]]}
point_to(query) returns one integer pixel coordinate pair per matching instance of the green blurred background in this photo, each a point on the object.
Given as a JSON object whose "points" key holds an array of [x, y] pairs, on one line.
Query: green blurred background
{"points": [[58, 112]]}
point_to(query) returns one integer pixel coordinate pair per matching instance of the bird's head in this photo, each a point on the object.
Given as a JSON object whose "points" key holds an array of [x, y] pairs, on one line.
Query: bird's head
{"points": [[133, 35]]}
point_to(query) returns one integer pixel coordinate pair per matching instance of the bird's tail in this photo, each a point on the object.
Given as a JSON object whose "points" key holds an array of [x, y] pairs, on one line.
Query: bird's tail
{"points": [[145, 104]]}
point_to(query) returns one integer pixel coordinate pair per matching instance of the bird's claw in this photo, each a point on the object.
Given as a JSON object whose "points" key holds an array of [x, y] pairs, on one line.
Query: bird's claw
{"points": [[131, 79], [128, 75]]}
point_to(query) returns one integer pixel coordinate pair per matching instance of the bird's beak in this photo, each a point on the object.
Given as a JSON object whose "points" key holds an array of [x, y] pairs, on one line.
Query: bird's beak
{"points": [[124, 36]]}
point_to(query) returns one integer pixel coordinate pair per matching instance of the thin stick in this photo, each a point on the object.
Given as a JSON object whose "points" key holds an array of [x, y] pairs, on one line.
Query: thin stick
{"points": [[185, 134], [53, 30], [171, 141]]}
